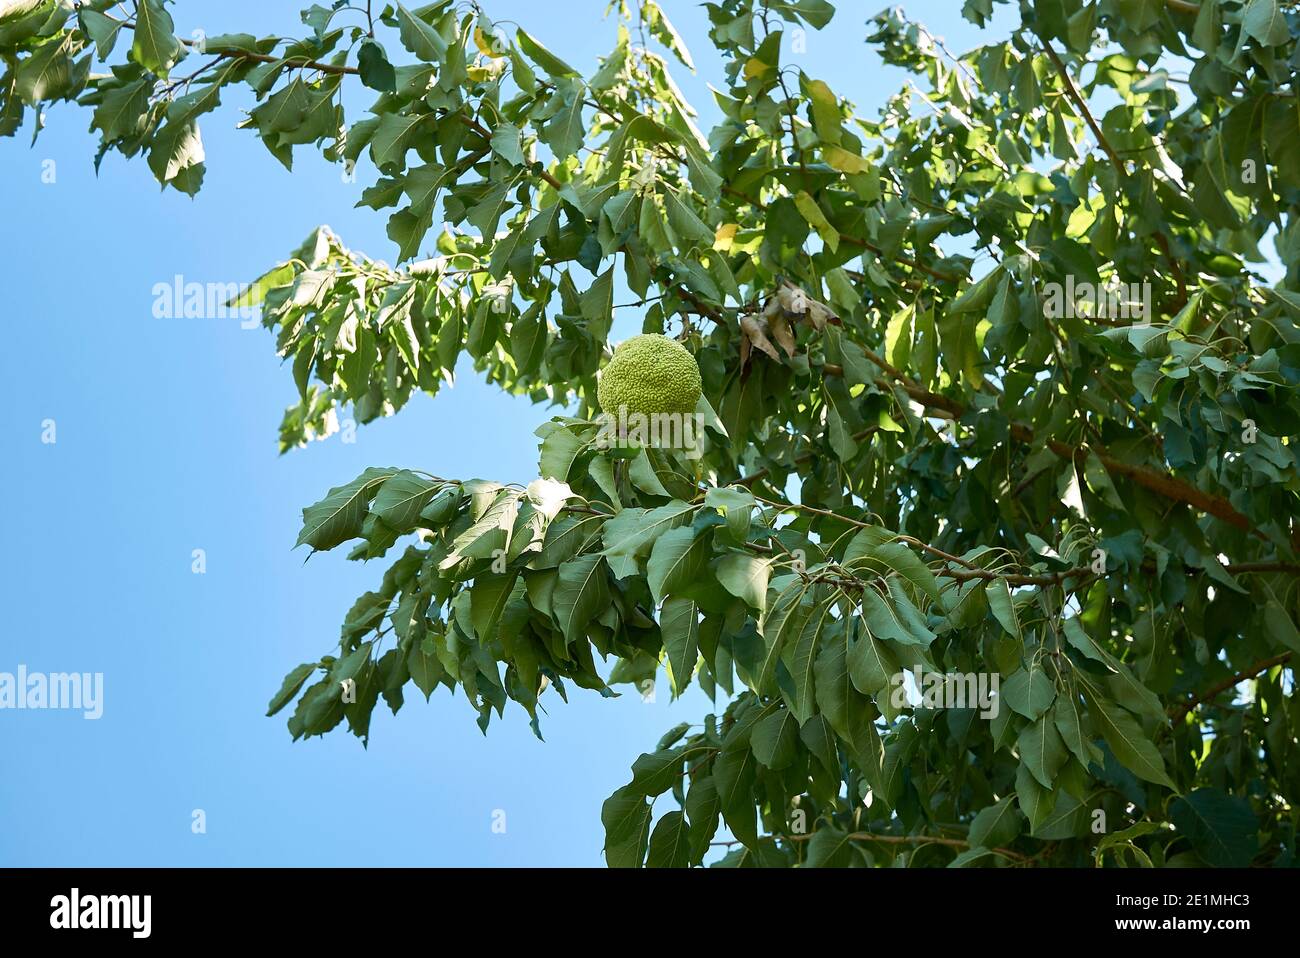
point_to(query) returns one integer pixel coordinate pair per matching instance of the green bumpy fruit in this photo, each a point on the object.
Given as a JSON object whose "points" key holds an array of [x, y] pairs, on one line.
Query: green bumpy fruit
{"points": [[650, 374]]}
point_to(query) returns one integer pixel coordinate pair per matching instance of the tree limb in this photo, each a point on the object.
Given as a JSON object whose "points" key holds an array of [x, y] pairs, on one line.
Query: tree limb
{"points": [[1152, 479], [1075, 97], [894, 840], [1181, 711]]}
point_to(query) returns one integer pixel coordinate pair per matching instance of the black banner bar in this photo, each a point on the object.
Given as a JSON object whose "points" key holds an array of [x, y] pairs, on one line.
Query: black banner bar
{"points": [[340, 906]]}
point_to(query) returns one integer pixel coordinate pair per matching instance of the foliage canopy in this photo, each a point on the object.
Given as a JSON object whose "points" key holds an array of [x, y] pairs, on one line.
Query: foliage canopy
{"points": [[918, 453]]}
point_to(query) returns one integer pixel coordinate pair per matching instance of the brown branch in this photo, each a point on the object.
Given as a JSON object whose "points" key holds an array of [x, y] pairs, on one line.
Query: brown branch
{"points": [[894, 840], [905, 260], [234, 54], [1081, 104], [1181, 711], [1156, 481], [763, 473], [1241, 568], [337, 70], [1077, 99]]}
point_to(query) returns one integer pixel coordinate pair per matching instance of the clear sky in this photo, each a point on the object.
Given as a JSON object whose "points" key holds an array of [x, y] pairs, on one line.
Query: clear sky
{"points": [[166, 443]]}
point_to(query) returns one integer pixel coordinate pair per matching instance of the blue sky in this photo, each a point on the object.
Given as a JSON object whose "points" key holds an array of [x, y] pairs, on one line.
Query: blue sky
{"points": [[165, 443]]}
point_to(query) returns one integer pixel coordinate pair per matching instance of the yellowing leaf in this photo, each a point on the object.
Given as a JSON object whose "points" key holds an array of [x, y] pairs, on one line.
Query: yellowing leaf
{"points": [[487, 45], [844, 161], [817, 220]]}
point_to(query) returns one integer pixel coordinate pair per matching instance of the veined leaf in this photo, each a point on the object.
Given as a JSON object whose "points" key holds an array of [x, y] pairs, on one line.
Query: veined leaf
{"points": [[339, 516], [679, 622], [580, 594], [745, 577], [1131, 745]]}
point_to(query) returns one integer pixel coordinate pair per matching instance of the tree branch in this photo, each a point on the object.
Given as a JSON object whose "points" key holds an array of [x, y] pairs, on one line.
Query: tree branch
{"points": [[232, 54], [1181, 711], [337, 70], [859, 242], [1073, 93], [894, 840], [1156, 481]]}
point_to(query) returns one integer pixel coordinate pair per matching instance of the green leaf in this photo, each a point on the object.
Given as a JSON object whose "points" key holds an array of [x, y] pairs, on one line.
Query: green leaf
{"points": [[176, 156], [507, 145], [996, 826], [155, 46], [1036, 802], [685, 223], [1126, 836], [829, 848], [102, 29], [808, 207], [392, 139], [745, 577], [679, 623], [425, 668], [626, 816], [1070, 818], [565, 131], [800, 658], [837, 699], [581, 594], [1067, 716], [1124, 735], [632, 533], [677, 560], [818, 736], [970, 856], [402, 498], [488, 599], [565, 538], [597, 304], [1264, 20], [1222, 828], [1029, 692], [292, 683], [977, 296], [894, 619], [702, 809], [775, 739], [340, 515], [641, 473], [663, 31], [1280, 625], [656, 772], [825, 107], [543, 57], [780, 626], [559, 449], [375, 69], [1002, 606], [733, 771], [121, 112], [736, 503], [420, 38], [1042, 750], [488, 536], [899, 558], [872, 666], [670, 843]]}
